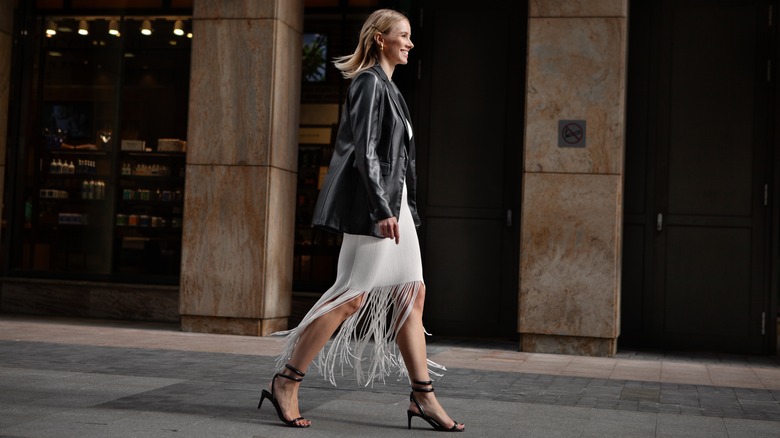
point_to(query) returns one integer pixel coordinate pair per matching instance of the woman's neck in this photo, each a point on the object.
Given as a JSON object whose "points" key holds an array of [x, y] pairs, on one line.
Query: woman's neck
{"points": [[388, 67]]}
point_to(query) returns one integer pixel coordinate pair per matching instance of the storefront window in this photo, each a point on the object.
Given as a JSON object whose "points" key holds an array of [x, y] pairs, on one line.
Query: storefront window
{"points": [[99, 171]]}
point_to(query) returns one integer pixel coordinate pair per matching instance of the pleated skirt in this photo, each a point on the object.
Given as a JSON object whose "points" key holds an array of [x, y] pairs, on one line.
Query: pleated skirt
{"points": [[389, 277]]}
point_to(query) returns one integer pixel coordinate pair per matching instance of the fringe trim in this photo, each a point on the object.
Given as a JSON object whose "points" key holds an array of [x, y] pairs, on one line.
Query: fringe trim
{"points": [[380, 316]]}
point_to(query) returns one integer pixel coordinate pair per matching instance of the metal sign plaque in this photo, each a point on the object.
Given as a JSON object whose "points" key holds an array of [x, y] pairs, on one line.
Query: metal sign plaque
{"points": [[572, 133]]}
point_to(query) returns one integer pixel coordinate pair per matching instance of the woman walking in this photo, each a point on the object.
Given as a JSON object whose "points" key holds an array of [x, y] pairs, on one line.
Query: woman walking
{"points": [[369, 196]]}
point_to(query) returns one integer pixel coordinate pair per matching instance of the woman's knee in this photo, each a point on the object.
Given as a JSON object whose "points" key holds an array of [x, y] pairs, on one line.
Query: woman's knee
{"points": [[350, 307], [419, 300]]}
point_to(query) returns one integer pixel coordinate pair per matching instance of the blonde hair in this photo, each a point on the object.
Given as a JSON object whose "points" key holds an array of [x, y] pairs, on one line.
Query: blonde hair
{"points": [[366, 53]]}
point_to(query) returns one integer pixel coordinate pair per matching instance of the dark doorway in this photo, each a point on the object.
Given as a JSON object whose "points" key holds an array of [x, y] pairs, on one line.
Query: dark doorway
{"points": [[696, 240], [469, 117]]}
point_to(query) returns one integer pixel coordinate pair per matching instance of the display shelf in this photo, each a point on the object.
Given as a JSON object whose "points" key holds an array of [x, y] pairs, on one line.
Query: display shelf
{"points": [[79, 152], [60, 200], [72, 201], [151, 203], [152, 178], [143, 154], [161, 233], [76, 176]]}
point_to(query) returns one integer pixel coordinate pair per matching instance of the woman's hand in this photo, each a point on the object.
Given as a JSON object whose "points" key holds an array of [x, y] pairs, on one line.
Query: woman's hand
{"points": [[389, 229]]}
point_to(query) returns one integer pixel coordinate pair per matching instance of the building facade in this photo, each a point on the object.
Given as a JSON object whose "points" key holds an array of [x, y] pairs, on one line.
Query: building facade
{"points": [[590, 175]]}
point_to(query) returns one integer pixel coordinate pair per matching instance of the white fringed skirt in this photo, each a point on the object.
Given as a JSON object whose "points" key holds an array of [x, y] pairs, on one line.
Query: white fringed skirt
{"points": [[389, 277]]}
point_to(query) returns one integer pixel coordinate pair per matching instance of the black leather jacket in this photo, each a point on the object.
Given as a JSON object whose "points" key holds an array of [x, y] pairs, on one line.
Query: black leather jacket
{"points": [[373, 156]]}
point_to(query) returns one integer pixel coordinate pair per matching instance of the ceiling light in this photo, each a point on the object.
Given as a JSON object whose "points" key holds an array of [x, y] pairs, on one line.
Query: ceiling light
{"points": [[146, 27], [51, 28], [83, 27], [189, 35], [178, 28], [113, 27]]}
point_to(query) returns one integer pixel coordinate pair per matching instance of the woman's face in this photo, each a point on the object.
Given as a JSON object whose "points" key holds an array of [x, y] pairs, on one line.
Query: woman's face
{"points": [[397, 43]]}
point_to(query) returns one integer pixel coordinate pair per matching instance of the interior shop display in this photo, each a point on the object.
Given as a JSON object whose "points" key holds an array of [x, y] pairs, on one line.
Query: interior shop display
{"points": [[85, 200], [98, 186], [72, 211], [149, 210]]}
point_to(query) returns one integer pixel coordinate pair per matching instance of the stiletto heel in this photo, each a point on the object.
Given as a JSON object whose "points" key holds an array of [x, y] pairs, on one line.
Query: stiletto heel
{"points": [[435, 424], [270, 396]]}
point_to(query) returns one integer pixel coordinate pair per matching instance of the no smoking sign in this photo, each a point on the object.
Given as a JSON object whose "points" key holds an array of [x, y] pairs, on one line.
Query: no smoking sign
{"points": [[571, 133]]}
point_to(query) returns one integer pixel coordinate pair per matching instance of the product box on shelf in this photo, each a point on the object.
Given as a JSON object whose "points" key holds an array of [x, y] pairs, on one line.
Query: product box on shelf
{"points": [[171, 145], [133, 145]]}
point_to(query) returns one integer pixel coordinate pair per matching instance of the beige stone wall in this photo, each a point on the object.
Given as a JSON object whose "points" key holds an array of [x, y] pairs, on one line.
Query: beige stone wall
{"points": [[572, 197], [6, 30], [241, 166]]}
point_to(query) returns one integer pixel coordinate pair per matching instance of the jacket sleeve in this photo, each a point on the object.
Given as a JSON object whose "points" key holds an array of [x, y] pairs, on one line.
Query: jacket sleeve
{"points": [[365, 111]]}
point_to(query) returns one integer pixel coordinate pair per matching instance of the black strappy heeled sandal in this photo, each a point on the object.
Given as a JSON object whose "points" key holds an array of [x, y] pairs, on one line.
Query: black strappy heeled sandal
{"points": [[435, 424], [270, 396]]}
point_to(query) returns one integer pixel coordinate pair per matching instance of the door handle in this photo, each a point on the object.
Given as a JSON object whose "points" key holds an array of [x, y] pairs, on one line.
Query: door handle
{"points": [[659, 222]]}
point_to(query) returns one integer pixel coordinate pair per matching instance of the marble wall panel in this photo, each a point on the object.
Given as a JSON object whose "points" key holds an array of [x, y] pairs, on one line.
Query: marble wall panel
{"points": [[224, 241], [290, 12], [280, 229], [287, 11], [90, 299], [286, 99], [570, 255], [145, 305], [576, 70], [231, 92], [208, 9], [233, 326], [43, 299], [571, 345], [577, 8]]}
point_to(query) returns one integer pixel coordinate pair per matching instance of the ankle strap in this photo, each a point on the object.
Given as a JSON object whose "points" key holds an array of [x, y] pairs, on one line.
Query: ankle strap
{"points": [[295, 370], [424, 383], [297, 379]]}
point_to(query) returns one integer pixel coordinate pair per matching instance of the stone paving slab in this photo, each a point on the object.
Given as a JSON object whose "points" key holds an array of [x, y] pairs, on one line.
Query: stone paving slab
{"points": [[94, 391], [86, 378]]}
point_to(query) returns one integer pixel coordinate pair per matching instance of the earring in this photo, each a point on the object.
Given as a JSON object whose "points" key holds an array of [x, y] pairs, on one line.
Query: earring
{"points": [[382, 47]]}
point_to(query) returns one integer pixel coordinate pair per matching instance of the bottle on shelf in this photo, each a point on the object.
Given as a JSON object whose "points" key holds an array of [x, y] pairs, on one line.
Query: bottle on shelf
{"points": [[93, 189]]}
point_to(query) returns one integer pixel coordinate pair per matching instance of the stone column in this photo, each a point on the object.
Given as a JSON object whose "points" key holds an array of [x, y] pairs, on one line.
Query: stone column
{"points": [[6, 31], [239, 211], [572, 196]]}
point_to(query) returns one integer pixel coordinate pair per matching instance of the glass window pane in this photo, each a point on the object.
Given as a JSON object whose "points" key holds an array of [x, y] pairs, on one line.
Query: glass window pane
{"points": [[101, 175]]}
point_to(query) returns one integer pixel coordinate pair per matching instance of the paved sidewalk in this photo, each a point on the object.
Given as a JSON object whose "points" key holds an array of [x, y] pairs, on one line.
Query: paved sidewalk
{"points": [[89, 378]]}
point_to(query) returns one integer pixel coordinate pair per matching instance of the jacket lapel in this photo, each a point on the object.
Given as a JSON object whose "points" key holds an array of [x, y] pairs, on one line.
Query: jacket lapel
{"points": [[400, 106], [398, 102]]}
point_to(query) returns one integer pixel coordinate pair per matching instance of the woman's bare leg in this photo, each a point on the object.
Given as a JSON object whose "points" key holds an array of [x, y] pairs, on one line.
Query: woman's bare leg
{"points": [[411, 342], [312, 340]]}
